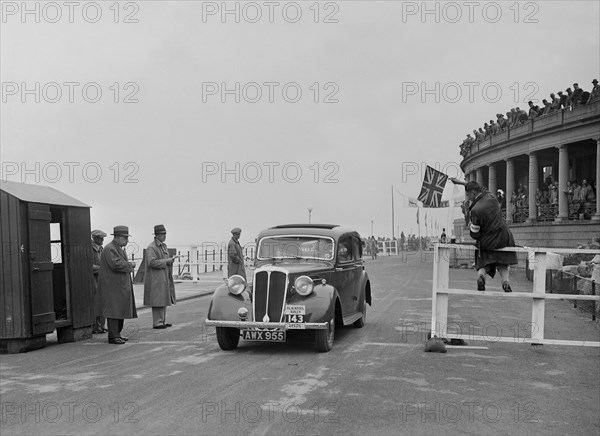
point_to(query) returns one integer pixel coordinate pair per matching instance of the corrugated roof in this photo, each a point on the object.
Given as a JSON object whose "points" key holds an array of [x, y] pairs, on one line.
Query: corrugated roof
{"points": [[39, 194]]}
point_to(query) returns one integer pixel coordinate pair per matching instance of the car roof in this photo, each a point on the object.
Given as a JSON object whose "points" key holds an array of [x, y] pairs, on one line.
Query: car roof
{"points": [[332, 230]]}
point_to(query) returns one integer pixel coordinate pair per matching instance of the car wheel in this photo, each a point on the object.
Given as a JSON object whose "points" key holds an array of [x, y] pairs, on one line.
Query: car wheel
{"points": [[228, 338], [360, 323], [324, 338]]}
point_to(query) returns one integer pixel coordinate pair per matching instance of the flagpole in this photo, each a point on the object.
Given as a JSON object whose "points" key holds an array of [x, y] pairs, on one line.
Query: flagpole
{"points": [[392, 212], [419, 226]]}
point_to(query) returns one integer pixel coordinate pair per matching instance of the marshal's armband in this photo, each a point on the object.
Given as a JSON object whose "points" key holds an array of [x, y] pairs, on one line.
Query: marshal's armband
{"points": [[474, 228]]}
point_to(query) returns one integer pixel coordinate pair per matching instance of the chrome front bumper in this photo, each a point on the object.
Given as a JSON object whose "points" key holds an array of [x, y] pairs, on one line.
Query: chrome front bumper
{"points": [[243, 325]]}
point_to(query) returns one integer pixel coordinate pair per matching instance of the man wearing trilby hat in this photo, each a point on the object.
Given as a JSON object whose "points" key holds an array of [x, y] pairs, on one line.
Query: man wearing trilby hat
{"points": [[159, 289], [235, 255], [115, 285]]}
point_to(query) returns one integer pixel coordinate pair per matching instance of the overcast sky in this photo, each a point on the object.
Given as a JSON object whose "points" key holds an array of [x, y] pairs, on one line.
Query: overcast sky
{"points": [[332, 105]]}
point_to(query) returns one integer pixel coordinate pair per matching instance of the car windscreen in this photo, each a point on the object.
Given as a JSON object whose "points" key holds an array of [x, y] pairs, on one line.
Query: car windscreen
{"points": [[296, 247]]}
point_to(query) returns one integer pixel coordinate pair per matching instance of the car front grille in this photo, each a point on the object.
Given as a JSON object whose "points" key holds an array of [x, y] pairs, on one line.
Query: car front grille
{"points": [[270, 287]]}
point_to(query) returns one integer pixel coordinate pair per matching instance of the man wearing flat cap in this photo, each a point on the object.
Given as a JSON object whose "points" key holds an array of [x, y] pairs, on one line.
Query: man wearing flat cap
{"points": [[159, 289], [97, 241], [235, 255], [115, 285]]}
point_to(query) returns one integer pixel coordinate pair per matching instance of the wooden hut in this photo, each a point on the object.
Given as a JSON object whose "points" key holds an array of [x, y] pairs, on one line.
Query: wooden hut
{"points": [[46, 277]]}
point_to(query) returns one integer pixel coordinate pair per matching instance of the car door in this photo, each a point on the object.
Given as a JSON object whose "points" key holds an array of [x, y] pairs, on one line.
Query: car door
{"points": [[357, 272], [344, 275]]}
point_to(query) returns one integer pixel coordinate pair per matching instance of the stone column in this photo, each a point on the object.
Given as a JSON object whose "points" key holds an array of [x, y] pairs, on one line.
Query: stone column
{"points": [[532, 186], [479, 176], [492, 180], [563, 176], [596, 216], [510, 187]]}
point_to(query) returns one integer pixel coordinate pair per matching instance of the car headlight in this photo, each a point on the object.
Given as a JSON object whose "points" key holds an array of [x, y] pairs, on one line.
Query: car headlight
{"points": [[304, 285], [236, 284]]}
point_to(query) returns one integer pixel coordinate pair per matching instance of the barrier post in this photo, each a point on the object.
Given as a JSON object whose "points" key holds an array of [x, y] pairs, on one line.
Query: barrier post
{"points": [[574, 290], [593, 302], [439, 299], [539, 304], [192, 259]]}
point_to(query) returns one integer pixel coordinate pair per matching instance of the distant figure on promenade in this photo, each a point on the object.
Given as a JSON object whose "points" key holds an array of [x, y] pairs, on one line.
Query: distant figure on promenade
{"points": [[115, 285], [235, 255], [159, 288], [97, 241], [374, 248], [490, 232]]}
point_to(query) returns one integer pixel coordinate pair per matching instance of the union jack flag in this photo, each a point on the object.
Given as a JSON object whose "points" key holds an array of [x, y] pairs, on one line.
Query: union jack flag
{"points": [[433, 187]]}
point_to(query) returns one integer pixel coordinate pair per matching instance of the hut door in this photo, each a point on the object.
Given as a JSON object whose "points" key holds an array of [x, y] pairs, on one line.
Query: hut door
{"points": [[40, 261]]}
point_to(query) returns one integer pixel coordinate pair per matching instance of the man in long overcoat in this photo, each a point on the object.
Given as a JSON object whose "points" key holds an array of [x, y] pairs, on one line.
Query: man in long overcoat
{"points": [[235, 255], [115, 285], [159, 289], [97, 241], [490, 231]]}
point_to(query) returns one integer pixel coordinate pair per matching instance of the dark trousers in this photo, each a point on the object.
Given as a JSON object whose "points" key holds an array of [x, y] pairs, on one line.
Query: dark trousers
{"points": [[114, 327]]}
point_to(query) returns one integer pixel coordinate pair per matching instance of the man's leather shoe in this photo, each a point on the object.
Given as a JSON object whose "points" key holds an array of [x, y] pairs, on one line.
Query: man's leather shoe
{"points": [[118, 341], [97, 332], [168, 325], [480, 283], [162, 326], [125, 339], [506, 287]]}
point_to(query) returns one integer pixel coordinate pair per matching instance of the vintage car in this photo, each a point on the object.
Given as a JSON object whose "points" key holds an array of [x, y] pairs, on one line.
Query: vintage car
{"points": [[307, 277]]}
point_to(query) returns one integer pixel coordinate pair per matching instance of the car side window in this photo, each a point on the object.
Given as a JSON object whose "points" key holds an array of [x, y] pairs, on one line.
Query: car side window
{"points": [[344, 250], [357, 248]]}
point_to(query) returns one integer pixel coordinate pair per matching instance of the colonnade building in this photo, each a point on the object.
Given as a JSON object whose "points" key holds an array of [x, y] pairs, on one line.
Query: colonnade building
{"points": [[558, 147]]}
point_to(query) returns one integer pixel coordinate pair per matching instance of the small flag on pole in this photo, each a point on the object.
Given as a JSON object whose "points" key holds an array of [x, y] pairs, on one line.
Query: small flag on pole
{"points": [[417, 216], [433, 187]]}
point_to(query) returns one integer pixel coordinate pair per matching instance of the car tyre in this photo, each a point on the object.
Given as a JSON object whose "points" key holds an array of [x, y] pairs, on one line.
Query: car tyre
{"points": [[228, 338], [360, 323], [324, 338]]}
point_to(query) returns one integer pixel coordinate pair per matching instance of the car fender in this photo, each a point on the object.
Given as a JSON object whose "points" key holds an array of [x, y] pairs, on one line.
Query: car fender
{"points": [[224, 305], [320, 304], [365, 286]]}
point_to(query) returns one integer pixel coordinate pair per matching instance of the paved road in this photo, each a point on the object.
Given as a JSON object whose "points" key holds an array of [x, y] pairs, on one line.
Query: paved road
{"points": [[376, 380]]}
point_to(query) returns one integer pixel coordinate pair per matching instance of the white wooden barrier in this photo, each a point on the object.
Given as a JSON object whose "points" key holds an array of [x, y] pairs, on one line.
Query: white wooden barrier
{"points": [[441, 290]]}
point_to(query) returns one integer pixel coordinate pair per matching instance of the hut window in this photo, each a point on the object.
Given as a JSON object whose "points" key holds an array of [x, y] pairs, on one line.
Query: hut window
{"points": [[56, 242]]}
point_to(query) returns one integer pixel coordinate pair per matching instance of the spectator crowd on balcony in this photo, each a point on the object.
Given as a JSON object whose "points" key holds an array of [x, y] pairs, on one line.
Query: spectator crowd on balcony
{"points": [[560, 101], [580, 200]]}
